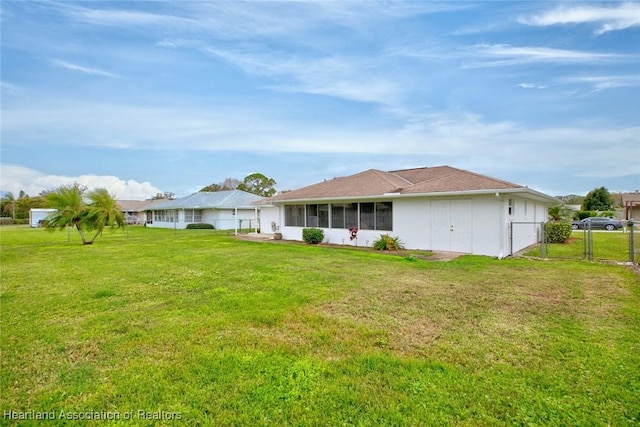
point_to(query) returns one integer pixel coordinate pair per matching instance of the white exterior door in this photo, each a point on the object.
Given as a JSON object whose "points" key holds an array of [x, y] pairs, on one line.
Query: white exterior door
{"points": [[451, 225]]}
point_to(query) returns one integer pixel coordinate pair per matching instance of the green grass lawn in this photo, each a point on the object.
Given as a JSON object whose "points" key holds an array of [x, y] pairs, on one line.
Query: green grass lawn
{"points": [[214, 330]]}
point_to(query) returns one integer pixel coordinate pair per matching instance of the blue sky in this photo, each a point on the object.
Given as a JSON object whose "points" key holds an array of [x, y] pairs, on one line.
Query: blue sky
{"points": [[141, 97]]}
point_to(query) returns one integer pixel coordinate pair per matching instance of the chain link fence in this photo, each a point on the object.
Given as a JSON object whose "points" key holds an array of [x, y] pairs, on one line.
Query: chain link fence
{"points": [[524, 235], [593, 245]]}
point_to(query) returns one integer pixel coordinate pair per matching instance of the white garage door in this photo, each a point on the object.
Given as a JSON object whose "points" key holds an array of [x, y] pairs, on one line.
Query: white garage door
{"points": [[451, 225]]}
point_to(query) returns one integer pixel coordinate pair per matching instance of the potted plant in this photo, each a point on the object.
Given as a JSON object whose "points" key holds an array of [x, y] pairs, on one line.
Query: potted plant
{"points": [[277, 235]]}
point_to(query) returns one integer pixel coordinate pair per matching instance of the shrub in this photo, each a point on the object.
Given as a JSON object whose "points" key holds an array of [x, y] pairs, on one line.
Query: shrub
{"points": [[200, 226], [557, 232], [312, 236], [584, 214], [386, 242]]}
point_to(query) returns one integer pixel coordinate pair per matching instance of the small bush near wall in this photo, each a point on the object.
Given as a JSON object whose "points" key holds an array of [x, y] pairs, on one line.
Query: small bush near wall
{"points": [[312, 235], [387, 242], [200, 226], [557, 232]]}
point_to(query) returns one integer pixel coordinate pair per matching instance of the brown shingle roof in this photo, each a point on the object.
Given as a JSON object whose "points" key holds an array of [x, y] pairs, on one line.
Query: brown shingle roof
{"points": [[446, 178], [374, 182], [368, 183]]}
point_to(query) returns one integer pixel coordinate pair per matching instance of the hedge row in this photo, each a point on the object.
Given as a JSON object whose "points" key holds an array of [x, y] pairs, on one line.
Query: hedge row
{"points": [[200, 226]]}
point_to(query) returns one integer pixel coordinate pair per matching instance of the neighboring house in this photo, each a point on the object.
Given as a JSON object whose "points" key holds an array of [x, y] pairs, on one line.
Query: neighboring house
{"points": [[37, 216], [225, 210], [137, 211], [631, 206], [439, 208]]}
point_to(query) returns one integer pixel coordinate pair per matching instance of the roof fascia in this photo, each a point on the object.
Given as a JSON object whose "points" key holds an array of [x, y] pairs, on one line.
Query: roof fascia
{"points": [[386, 196]]}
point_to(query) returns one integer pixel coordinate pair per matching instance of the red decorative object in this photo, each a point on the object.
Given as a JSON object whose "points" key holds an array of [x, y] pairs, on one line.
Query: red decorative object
{"points": [[353, 233]]}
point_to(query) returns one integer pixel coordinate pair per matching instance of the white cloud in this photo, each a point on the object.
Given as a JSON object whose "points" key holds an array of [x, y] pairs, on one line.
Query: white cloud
{"points": [[620, 17], [599, 83], [86, 70], [241, 20], [8, 88], [121, 17], [445, 135], [531, 86], [520, 55], [16, 178], [350, 78]]}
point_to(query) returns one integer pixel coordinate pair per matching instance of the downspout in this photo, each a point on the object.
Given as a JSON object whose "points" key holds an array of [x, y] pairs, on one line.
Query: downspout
{"points": [[502, 224], [235, 213], [255, 214]]}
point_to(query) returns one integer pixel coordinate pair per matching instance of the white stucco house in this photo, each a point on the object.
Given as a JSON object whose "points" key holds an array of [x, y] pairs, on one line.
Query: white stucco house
{"points": [[225, 210], [436, 208]]}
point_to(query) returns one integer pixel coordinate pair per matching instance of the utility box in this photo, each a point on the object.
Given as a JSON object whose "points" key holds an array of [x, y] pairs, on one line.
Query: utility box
{"points": [[37, 216]]}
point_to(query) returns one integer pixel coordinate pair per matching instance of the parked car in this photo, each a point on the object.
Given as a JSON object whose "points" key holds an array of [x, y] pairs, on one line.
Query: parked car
{"points": [[597, 223]]}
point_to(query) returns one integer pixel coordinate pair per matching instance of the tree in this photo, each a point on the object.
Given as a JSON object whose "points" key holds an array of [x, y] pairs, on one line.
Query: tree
{"points": [[162, 196], [598, 199], [560, 212], [18, 208], [9, 204], [259, 184], [104, 211], [92, 217], [25, 203], [226, 185]]}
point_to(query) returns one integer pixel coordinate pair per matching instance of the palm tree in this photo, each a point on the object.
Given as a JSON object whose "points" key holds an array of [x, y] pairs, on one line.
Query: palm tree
{"points": [[72, 210], [103, 210], [9, 202], [559, 213]]}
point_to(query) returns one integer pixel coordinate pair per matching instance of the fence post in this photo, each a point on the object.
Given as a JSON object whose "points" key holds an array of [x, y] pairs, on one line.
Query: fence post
{"points": [[590, 243], [511, 238], [543, 245], [631, 248]]}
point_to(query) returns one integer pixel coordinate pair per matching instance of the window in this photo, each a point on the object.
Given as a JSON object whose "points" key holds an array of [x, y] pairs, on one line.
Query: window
{"points": [[337, 216], [384, 216], [367, 216], [323, 216], [192, 215], [294, 215], [312, 215], [165, 216], [318, 216], [350, 215]]}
